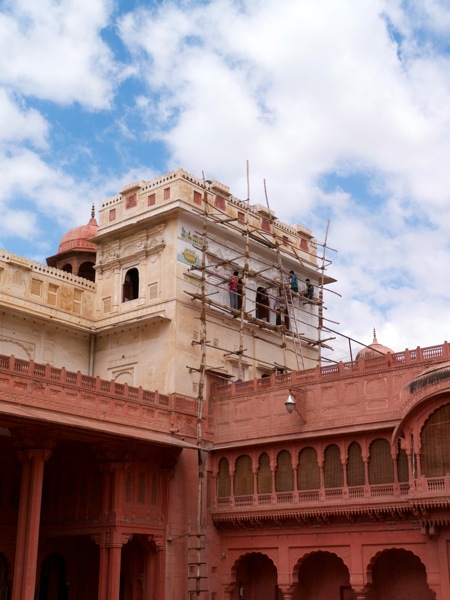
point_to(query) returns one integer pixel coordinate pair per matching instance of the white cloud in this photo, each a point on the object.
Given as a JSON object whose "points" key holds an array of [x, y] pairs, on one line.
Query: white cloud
{"points": [[301, 88], [53, 50], [19, 123]]}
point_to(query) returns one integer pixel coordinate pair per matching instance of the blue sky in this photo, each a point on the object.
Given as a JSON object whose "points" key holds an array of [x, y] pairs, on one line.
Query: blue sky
{"points": [[342, 107]]}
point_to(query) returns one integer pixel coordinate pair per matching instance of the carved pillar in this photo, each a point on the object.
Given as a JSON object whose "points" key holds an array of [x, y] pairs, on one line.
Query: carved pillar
{"points": [[345, 480], [25, 564], [115, 556], [110, 542], [154, 577], [103, 570], [117, 289], [232, 474], [295, 472], [272, 473], [255, 485], [366, 476]]}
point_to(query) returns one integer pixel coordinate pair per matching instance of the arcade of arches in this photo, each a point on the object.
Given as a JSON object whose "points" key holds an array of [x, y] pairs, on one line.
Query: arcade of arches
{"points": [[394, 574]]}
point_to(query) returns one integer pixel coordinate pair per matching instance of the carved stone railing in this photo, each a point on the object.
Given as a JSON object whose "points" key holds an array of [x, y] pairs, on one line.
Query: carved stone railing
{"points": [[341, 369], [351, 497], [60, 394]]}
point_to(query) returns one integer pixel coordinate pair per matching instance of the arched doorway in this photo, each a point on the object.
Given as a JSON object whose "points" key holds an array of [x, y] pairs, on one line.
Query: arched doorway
{"points": [[256, 579], [323, 576], [399, 574], [53, 583]]}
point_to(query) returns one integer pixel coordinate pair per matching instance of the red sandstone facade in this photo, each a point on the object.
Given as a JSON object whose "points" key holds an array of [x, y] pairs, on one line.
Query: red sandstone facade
{"points": [[205, 490], [348, 497]]}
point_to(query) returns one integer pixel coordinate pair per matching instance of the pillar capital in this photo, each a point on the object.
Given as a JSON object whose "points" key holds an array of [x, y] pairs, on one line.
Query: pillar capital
{"points": [[287, 591], [111, 538], [157, 539]]}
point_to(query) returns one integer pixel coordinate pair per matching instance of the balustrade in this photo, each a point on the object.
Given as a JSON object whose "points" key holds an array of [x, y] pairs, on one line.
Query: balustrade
{"points": [[357, 495]]}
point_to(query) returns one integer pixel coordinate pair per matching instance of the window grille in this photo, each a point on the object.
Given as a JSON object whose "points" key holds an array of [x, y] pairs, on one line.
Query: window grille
{"points": [[140, 491], [308, 470], [265, 225], [284, 475], [333, 474], [381, 466], [243, 477], [264, 475], [131, 201], [355, 466], [223, 479], [154, 492], [151, 199], [197, 197], [435, 438], [219, 203]]}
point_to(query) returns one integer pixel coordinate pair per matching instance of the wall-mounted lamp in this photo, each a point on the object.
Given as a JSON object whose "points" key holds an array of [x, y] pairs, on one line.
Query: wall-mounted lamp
{"points": [[290, 404], [294, 403]]}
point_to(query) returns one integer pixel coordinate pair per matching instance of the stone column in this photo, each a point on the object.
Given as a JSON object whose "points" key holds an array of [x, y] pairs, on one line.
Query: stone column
{"points": [[27, 541], [103, 569]]}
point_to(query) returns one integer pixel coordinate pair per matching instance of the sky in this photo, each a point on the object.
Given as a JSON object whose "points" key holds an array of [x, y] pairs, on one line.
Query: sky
{"points": [[342, 108]]}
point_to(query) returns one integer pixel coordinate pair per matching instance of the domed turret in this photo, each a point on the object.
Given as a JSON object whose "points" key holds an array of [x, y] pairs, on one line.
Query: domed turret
{"points": [[76, 253], [374, 350]]}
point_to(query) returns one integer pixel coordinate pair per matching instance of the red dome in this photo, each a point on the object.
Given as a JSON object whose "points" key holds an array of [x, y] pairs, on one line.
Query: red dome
{"points": [[78, 238], [374, 350]]}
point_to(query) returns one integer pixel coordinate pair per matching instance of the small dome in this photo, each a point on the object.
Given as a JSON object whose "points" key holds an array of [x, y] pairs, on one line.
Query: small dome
{"points": [[78, 238], [374, 350]]}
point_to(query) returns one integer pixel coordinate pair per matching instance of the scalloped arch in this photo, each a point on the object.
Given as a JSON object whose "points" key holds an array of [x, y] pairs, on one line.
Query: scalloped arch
{"points": [[376, 556], [301, 560], [239, 560]]}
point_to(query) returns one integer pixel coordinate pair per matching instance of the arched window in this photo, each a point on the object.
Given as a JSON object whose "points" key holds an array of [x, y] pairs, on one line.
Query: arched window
{"points": [[67, 268], [435, 438], [130, 285], [284, 475], [223, 479], [381, 465], [333, 474], [355, 466], [308, 470], [264, 475], [86, 271], [243, 476]]}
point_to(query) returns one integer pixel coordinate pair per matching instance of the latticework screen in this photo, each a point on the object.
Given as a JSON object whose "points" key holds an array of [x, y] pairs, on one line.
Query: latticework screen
{"points": [[333, 474], [223, 479], [381, 465], [355, 465], [243, 476], [435, 437], [264, 475], [308, 470], [284, 475]]}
